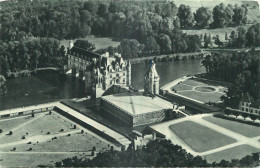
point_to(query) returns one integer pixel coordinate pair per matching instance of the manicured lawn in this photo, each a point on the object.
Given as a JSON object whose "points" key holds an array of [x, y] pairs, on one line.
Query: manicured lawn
{"points": [[202, 96], [222, 89], [7, 124], [41, 126], [205, 89], [198, 137], [232, 153], [241, 128], [180, 87], [74, 143], [194, 83]]}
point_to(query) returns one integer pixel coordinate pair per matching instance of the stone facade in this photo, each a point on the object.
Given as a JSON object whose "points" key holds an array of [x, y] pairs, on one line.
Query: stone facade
{"points": [[79, 59], [151, 80], [99, 71]]}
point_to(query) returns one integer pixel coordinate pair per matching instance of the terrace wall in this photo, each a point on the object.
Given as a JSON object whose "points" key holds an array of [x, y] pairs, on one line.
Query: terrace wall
{"points": [[204, 108], [87, 126]]}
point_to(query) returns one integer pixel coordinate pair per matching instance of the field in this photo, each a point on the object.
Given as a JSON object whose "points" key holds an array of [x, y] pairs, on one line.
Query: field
{"points": [[200, 90], [99, 42], [237, 152], [45, 139], [252, 16], [198, 137], [241, 128]]}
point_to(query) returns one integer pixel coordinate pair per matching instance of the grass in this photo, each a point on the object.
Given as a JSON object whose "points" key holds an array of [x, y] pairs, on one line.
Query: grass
{"points": [[203, 91], [241, 128], [233, 153], [204, 97], [222, 89], [100, 42], [181, 87], [74, 143], [192, 82], [7, 125], [32, 160], [40, 126], [198, 137]]}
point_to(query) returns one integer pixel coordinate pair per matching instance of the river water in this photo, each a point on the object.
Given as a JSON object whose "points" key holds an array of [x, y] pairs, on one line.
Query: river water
{"points": [[43, 88]]}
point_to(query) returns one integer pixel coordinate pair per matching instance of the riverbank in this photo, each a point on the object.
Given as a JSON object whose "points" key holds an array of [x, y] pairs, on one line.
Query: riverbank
{"points": [[24, 73], [170, 57]]}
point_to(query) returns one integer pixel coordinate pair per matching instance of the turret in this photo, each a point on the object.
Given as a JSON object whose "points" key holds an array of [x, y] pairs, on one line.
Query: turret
{"points": [[71, 44], [128, 77], [151, 80]]}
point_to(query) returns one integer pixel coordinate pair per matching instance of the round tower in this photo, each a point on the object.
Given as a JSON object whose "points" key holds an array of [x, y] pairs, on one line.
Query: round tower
{"points": [[152, 79]]}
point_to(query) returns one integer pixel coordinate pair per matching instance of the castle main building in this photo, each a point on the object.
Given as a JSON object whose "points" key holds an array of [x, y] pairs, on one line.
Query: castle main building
{"points": [[105, 72], [99, 71]]}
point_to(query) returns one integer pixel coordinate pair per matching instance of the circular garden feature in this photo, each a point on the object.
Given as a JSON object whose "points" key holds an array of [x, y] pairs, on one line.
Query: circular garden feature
{"points": [[205, 89]]}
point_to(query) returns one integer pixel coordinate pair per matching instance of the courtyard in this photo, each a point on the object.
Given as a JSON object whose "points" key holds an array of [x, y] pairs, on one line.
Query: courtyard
{"points": [[212, 138], [45, 138]]}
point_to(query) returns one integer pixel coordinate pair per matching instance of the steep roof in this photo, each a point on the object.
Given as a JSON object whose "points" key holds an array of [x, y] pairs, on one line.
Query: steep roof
{"points": [[83, 53], [151, 69], [247, 98], [115, 89], [255, 104]]}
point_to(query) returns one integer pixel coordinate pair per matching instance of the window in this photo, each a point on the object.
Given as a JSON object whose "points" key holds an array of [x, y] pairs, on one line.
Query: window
{"points": [[124, 80], [117, 75], [243, 109], [111, 82], [111, 76], [246, 109], [123, 74]]}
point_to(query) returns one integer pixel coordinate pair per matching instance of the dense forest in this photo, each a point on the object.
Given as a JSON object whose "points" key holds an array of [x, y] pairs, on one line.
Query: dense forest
{"points": [[145, 28], [31, 54], [64, 19], [238, 68], [155, 154]]}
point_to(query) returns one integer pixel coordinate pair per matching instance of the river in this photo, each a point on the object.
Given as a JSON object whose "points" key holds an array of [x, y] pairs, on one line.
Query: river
{"points": [[43, 88]]}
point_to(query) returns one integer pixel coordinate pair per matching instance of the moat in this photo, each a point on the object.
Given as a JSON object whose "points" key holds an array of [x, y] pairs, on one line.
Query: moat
{"points": [[43, 88]]}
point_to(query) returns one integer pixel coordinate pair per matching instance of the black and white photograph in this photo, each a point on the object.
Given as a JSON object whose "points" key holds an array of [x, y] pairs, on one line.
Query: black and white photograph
{"points": [[129, 83]]}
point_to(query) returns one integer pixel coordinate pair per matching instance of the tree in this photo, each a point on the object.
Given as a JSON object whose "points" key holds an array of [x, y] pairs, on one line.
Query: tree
{"points": [[94, 148], [84, 44], [185, 15], [206, 41], [129, 48], [165, 43], [240, 15], [241, 39], [91, 6], [203, 17], [151, 46], [245, 115], [103, 9], [222, 16], [253, 36], [253, 117], [218, 42]]}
